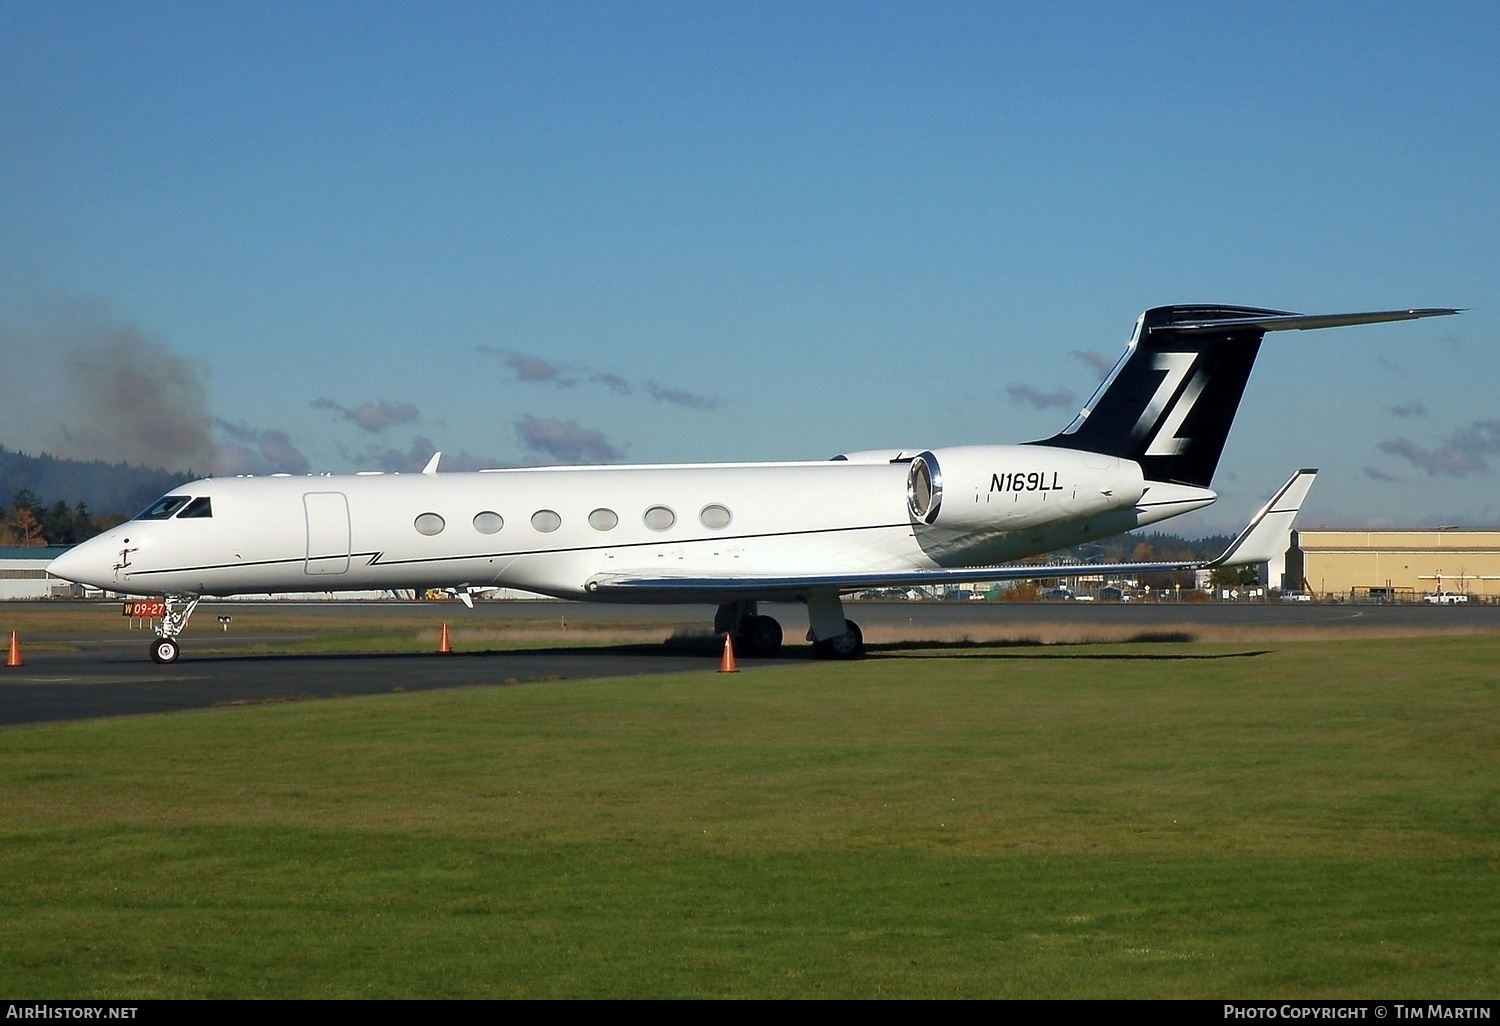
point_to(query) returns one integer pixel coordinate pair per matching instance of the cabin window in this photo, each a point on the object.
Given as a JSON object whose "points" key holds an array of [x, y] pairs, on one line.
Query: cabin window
{"points": [[164, 507], [488, 522], [659, 518], [604, 519], [429, 524], [200, 508], [715, 517], [546, 521]]}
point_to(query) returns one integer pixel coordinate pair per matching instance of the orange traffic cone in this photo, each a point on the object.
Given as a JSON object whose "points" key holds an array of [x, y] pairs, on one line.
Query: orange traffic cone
{"points": [[14, 658], [727, 664], [445, 644]]}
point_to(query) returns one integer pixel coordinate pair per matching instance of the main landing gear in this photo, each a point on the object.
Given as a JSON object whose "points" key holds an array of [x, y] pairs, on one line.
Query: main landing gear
{"points": [[833, 636], [754, 635], [164, 648], [848, 645]]}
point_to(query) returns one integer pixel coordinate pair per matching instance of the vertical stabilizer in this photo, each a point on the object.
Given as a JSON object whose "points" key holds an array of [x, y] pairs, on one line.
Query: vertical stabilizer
{"points": [[1168, 404]]}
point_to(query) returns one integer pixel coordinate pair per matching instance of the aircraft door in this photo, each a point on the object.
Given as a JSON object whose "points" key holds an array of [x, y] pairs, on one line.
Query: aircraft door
{"points": [[327, 533]]}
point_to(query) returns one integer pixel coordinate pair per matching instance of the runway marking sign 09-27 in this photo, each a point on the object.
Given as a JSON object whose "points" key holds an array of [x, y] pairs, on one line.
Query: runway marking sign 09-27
{"points": [[146, 609]]}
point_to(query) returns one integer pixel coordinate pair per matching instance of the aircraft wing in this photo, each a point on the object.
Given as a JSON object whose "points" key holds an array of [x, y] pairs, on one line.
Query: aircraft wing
{"points": [[1266, 536]]}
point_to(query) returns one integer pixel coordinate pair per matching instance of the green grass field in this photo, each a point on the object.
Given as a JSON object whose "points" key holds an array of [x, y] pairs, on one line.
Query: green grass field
{"points": [[1163, 820]]}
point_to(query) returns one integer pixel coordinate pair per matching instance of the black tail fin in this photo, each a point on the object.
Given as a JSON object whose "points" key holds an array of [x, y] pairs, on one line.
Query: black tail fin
{"points": [[1168, 404]]}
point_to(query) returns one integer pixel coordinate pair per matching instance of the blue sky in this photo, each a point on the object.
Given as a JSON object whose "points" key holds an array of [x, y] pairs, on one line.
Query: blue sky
{"points": [[330, 236]]}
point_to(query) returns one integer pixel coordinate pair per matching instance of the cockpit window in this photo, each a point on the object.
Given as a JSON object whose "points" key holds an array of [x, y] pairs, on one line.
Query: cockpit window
{"points": [[202, 506], [164, 507]]}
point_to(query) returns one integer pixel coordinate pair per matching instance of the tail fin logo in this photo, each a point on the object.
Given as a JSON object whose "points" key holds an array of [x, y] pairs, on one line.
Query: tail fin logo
{"points": [[1169, 403], [1170, 418]]}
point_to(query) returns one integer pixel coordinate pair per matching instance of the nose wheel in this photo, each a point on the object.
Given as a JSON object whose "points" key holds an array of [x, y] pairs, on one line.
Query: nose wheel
{"points": [[179, 608]]}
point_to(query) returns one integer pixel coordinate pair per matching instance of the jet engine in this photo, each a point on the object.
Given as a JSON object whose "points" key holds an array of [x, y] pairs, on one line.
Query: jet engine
{"points": [[968, 496]]}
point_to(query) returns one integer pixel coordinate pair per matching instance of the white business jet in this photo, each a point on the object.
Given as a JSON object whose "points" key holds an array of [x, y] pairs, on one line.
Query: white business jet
{"points": [[1143, 449]]}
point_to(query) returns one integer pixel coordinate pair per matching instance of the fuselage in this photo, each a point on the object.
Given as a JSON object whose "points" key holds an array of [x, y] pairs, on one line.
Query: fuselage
{"points": [[1142, 449], [551, 530]]}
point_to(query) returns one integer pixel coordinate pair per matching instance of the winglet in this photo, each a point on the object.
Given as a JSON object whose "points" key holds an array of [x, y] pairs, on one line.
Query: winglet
{"points": [[1269, 533], [431, 467]]}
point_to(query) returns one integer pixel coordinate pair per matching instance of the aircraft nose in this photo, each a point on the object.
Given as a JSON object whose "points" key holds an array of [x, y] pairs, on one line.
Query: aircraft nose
{"points": [[87, 563], [65, 566]]}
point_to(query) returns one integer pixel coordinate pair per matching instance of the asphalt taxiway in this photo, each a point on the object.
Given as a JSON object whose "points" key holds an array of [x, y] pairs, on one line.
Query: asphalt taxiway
{"points": [[84, 675], [122, 681]]}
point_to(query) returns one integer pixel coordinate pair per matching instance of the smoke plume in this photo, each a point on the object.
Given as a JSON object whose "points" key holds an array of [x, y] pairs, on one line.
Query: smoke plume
{"points": [[131, 399], [115, 394]]}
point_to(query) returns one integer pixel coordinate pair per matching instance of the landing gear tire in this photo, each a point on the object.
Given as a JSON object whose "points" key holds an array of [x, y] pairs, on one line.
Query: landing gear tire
{"points": [[849, 645], [759, 636], [163, 650]]}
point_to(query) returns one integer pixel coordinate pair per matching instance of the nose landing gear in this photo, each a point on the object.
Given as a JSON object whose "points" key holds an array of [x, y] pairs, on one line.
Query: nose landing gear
{"points": [[164, 648]]}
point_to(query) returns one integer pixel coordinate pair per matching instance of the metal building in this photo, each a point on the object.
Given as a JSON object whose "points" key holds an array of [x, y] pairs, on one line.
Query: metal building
{"points": [[1399, 566], [23, 573]]}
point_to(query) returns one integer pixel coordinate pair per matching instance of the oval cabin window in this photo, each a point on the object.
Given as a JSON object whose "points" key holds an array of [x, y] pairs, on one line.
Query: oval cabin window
{"points": [[546, 521], [659, 518], [430, 524], [715, 517], [488, 522]]}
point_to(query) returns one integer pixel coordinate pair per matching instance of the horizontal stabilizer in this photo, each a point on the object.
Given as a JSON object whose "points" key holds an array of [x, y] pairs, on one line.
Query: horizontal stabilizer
{"points": [[1304, 322]]}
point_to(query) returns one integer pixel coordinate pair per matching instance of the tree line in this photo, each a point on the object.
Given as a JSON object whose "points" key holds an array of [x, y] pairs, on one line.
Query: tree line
{"points": [[29, 521], [118, 490], [108, 488]]}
